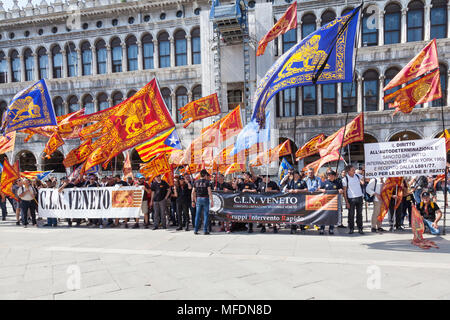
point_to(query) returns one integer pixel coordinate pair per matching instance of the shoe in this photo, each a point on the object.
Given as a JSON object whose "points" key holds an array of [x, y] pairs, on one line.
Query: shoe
{"points": [[25, 226], [361, 231], [321, 232], [136, 226], [293, 231], [195, 232], [373, 230], [399, 229], [275, 230], [69, 223], [263, 229], [145, 225], [381, 230], [154, 228], [341, 226], [228, 231], [47, 225], [187, 229], [100, 226], [351, 231], [250, 231], [163, 227], [88, 224], [18, 223], [126, 225], [179, 228], [330, 232], [3, 219], [206, 233], [55, 225], [391, 229]]}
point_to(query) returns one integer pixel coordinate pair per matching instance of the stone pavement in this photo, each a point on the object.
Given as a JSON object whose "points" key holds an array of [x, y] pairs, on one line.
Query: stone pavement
{"points": [[86, 263]]}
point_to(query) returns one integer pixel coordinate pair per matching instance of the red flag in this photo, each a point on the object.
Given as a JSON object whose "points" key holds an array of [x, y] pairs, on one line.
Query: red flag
{"points": [[418, 228], [199, 109], [127, 169], [7, 142], [389, 186], [53, 143], [309, 148], [271, 155], [287, 22], [316, 165], [9, 175]]}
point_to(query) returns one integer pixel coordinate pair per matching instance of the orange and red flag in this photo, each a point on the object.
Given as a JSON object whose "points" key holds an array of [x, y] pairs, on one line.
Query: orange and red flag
{"points": [[391, 184], [309, 148], [425, 61], [271, 155], [418, 228], [127, 169], [7, 142], [316, 165], [157, 166], [79, 154], [199, 109], [233, 168], [287, 22], [446, 134], [53, 143], [9, 175]]}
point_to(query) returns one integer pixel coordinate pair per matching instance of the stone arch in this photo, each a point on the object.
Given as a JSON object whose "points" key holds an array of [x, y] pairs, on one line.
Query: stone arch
{"points": [[116, 164], [405, 135], [54, 162], [27, 160]]}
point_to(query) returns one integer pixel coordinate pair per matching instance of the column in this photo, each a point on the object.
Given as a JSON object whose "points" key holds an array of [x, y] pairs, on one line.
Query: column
{"points": [[189, 49], [94, 61], [108, 59], [64, 69], [427, 23], [9, 75], [50, 65], [174, 106], [318, 23], [280, 46], [155, 53], [381, 28], [448, 24], [189, 96], [299, 30], [448, 87], [319, 98], [140, 56], [22, 68], [124, 57], [36, 66], [96, 106], [380, 92], [172, 51], [280, 103], [65, 107], [359, 103], [79, 63], [110, 102], [300, 101], [404, 26], [339, 97]]}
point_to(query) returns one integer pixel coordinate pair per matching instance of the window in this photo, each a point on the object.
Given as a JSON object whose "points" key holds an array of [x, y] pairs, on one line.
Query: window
{"points": [[234, 98], [73, 104], [290, 102], [165, 92], [182, 100], [443, 77], [146, 18], [26, 34], [130, 20], [195, 38], [309, 100], [147, 43], [392, 20], [85, 26], [164, 50], [438, 19], [327, 17], [15, 66], [388, 76], [369, 35], [3, 68], [103, 103], [131, 93], [415, 21], [116, 52], [29, 64], [99, 24], [86, 58], [43, 63], [370, 91], [196, 93], [88, 104], [346, 10], [54, 30], [179, 14], [57, 62], [329, 102], [101, 57], [308, 24], [180, 48], [72, 60], [349, 99], [59, 107], [132, 53], [162, 16], [289, 39], [114, 22], [117, 98], [11, 35], [40, 32], [197, 11]]}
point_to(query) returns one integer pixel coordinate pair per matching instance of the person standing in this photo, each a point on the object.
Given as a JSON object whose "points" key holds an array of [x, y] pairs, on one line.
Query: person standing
{"points": [[27, 194], [373, 189], [397, 212], [331, 183], [202, 199], [221, 185], [247, 186], [353, 194], [16, 203], [3, 205], [160, 194], [183, 192], [266, 185], [296, 185], [144, 206]]}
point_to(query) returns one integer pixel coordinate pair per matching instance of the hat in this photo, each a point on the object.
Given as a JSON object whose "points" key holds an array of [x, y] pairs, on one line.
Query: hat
{"points": [[331, 172], [425, 194]]}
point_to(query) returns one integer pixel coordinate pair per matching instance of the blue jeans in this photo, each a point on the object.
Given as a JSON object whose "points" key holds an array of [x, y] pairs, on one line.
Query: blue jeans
{"points": [[417, 195], [202, 206], [52, 221]]}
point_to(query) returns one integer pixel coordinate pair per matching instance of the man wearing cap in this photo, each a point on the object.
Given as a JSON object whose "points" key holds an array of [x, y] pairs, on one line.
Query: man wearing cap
{"points": [[202, 199], [160, 194], [430, 212], [330, 184]]}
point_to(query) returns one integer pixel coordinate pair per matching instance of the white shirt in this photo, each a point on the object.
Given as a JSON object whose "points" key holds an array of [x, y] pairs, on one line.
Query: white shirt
{"points": [[26, 196], [354, 189], [372, 189]]}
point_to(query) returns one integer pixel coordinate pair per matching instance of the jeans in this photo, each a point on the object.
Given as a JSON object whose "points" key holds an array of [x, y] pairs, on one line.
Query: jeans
{"points": [[417, 194], [24, 206], [52, 221], [173, 211], [356, 204], [160, 213], [202, 207], [3, 206]]}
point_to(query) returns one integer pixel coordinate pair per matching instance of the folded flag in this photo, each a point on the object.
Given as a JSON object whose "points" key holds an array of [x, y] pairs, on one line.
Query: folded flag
{"points": [[35, 174], [418, 228]]}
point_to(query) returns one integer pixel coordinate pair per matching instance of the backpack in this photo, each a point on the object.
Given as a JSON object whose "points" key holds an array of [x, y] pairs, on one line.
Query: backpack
{"points": [[367, 197], [363, 188]]}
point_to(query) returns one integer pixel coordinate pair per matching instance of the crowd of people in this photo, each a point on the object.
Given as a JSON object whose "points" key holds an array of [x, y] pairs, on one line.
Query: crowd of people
{"points": [[187, 202]]}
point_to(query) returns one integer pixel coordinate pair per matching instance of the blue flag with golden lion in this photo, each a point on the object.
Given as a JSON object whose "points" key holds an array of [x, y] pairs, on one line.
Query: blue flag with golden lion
{"points": [[325, 56], [30, 108]]}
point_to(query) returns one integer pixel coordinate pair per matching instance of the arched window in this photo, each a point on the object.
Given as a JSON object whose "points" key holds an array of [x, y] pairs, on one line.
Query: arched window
{"points": [[164, 50], [103, 103], [59, 106], [388, 76], [88, 104], [392, 21], [43, 63], [132, 53], [165, 92], [147, 44], [196, 50], [438, 18], [73, 104], [86, 58], [369, 34], [370, 90], [15, 66], [27, 161], [349, 97], [131, 93], [415, 21], [327, 17], [443, 77], [196, 93], [72, 60], [29, 64], [329, 102], [57, 62], [346, 10], [289, 39], [55, 162], [180, 48], [290, 96], [101, 57], [3, 68], [309, 100], [182, 100], [117, 98], [116, 52], [308, 24]]}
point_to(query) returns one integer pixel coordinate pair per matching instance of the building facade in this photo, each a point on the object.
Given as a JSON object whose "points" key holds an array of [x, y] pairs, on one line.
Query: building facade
{"points": [[96, 53]]}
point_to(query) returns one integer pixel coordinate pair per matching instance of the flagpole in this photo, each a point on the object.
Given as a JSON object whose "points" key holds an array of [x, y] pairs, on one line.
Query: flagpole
{"points": [[342, 142], [445, 171]]}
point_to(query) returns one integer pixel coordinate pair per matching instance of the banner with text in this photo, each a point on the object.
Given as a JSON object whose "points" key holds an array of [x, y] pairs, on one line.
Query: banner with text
{"points": [[105, 202], [405, 158], [301, 208]]}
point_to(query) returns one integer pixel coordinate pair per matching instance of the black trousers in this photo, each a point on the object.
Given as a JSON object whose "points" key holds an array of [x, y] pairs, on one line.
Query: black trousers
{"points": [[24, 206], [397, 213], [183, 214], [356, 205]]}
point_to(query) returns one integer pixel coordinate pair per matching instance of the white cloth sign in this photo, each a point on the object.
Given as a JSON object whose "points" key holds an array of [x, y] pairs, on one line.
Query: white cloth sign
{"points": [[405, 158], [93, 203]]}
